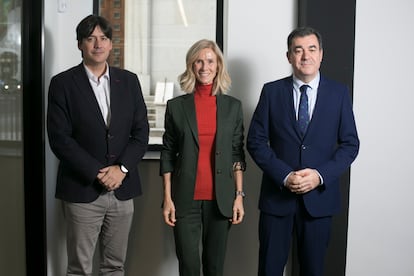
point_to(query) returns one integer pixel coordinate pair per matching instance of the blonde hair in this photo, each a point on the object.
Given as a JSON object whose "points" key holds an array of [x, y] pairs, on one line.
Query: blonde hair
{"points": [[187, 80]]}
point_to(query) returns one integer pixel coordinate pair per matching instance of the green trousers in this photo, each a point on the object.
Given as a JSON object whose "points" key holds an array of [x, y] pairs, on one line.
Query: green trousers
{"points": [[206, 225]]}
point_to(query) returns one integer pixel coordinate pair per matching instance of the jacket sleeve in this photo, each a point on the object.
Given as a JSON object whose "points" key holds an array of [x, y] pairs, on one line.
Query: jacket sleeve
{"points": [[347, 144], [60, 133], [138, 139], [258, 141], [169, 141], [238, 140]]}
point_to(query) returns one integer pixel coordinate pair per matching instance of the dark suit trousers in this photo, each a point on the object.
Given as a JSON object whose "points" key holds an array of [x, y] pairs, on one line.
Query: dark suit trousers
{"points": [[204, 222], [275, 235]]}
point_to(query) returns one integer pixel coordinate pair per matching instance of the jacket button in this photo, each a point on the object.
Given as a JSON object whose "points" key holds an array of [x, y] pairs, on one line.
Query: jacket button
{"points": [[218, 171], [303, 147]]}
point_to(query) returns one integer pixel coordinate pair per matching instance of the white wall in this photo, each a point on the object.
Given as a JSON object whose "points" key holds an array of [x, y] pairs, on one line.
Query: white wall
{"points": [[255, 45], [381, 221]]}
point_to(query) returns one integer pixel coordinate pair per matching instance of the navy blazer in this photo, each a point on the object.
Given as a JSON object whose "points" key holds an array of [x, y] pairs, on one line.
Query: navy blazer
{"points": [[180, 150], [330, 145], [83, 143]]}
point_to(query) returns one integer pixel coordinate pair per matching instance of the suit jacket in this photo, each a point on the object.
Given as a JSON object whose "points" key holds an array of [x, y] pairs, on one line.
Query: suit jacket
{"points": [[180, 150], [330, 145], [83, 143]]}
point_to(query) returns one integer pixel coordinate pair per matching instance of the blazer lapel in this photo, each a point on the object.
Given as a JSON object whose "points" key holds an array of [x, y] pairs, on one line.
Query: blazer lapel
{"points": [[290, 106], [80, 79], [221, 113], [117, 89], [190, 113], [321, 100]]}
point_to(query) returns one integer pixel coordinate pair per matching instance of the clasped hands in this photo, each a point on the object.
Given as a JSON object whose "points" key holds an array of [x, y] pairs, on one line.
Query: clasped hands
{"points": [[111, 177], [303, 181]]}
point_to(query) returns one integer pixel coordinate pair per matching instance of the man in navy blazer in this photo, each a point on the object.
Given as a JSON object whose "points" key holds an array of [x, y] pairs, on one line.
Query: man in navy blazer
{"points": [[302, 146], [98, 129]]}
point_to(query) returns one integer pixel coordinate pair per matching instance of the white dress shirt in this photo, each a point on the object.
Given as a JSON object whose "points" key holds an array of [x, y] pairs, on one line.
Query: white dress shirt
{"points": [[101, 88]]}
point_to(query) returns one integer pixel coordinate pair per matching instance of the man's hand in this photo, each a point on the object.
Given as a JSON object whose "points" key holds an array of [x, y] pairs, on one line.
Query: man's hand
{"points": [[303, 181], [111, 177]]}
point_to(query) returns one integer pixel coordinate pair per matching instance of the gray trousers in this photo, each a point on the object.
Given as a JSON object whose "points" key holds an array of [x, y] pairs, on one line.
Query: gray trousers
{"points": [[106, 219]]}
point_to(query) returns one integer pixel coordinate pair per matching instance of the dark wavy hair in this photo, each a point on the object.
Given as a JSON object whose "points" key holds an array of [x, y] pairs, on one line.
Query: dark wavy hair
{"points": [[88, 25]]}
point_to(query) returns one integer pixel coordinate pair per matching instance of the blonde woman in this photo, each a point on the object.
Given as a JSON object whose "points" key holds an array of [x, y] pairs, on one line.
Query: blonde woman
{"points": [[202, 162]]}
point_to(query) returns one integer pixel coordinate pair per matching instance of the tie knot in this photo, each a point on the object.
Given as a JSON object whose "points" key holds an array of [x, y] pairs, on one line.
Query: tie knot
{"points": [[303, 88]]}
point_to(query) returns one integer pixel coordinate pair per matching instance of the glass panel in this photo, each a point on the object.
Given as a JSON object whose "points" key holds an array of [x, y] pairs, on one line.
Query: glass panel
{"points": [[12, 249], [151, 39]]}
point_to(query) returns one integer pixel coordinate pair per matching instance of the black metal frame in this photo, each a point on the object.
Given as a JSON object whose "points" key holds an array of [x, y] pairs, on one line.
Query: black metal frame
{"points": [[33, 137]]}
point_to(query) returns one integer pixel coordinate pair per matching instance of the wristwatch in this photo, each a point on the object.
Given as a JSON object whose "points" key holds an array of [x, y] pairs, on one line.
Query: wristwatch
{"points": [[240, 193], [123, 169]]}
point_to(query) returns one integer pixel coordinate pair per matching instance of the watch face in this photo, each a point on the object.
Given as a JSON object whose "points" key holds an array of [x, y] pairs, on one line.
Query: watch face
{"points": [[240, 193], [123, 169]]}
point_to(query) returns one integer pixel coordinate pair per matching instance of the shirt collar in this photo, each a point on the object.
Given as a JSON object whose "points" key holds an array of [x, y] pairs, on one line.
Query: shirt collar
{"points": [[94, 78], [297, 83]]}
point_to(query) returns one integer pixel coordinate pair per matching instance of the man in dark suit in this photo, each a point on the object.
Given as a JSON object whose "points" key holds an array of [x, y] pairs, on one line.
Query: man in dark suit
{"points": [[98, 129], [303, 142]]}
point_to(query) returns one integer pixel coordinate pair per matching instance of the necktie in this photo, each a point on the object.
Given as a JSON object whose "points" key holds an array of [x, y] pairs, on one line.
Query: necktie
{"points": [[303, 112]]}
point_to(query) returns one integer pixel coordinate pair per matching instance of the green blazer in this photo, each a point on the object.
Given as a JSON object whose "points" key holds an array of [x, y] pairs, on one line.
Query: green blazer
{"points": [[180, 149]]}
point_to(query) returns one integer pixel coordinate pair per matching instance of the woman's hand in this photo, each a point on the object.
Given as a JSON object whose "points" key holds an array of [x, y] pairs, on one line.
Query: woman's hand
{"points": [[238, 210], [169, 212]]}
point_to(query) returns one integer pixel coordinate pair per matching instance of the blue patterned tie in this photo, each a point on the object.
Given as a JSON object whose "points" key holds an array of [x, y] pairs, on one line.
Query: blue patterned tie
{"points": [[303, 112]]}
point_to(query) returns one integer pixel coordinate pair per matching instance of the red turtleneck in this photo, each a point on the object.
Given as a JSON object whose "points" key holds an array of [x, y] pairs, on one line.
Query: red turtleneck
{"points": [[205, 105]]}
